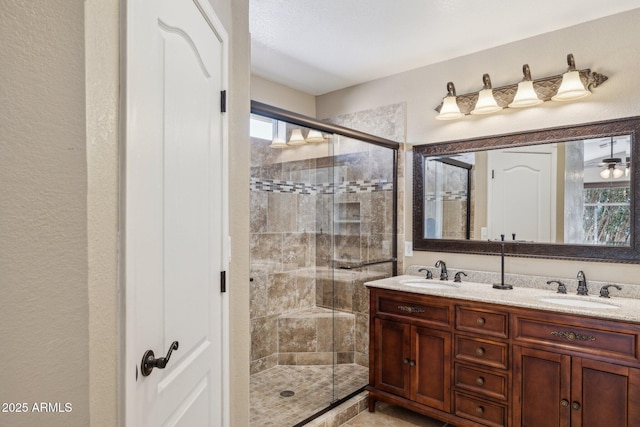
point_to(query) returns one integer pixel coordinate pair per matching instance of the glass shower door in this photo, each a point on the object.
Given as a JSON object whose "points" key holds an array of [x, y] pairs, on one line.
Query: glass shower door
{"points": [[322, 224], [364, 222]]}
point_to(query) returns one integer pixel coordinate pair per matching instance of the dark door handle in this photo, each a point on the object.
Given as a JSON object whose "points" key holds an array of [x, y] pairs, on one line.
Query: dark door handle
{"points": [[149, 361]]}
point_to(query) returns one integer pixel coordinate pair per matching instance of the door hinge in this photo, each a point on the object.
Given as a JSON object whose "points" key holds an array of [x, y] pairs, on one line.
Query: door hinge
{"points": [[223, 281], [223, 101]]}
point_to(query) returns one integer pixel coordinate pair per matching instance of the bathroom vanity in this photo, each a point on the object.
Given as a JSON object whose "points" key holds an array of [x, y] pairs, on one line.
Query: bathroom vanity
{"points": [[471, 355]]}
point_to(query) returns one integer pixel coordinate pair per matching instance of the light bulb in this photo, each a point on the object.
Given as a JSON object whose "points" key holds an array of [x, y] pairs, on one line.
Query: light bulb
{"points": [[486, 102], [526, 96], [450, 109], [571, 87], [617, 173], [296, 137], [315, 136]]}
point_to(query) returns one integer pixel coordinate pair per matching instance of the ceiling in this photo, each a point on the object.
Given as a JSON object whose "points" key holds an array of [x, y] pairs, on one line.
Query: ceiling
{"points": [[318, 46]]}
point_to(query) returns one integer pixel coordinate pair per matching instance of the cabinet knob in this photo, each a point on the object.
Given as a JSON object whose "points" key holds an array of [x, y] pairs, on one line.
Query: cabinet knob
{"points": [[480, 410], [480, 321], [575, 406], [480, 351], [412, 363], [405, 361], [480, 381], [564, 403]]}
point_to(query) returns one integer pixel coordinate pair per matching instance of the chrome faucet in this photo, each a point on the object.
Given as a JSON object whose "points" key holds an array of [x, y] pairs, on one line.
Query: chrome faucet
{"points": [[582, 284], [443, 270]]}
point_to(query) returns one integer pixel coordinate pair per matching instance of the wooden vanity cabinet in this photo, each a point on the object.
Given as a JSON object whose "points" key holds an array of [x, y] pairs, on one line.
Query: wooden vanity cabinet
{"points": [[412, 347], [476, 364], [575, 373]]}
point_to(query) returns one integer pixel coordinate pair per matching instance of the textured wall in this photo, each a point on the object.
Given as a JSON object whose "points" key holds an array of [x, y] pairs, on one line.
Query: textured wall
{"points": [[102, 86], [607, 45], [282, 96], [43, 215]]}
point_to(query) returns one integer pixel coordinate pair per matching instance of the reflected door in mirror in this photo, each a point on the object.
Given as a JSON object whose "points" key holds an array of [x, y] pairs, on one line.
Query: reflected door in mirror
{"points": [[522, 193]]}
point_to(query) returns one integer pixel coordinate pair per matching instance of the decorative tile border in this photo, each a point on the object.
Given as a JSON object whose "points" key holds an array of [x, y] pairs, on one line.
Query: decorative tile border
{"points": [[447, 196], [350, 187]]}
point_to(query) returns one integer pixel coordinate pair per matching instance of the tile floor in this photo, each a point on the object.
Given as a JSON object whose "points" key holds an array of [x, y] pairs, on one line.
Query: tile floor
{"points": [[313, 391], [392, 416]]}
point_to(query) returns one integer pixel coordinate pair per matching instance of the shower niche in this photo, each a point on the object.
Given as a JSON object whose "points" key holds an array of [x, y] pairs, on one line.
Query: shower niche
{"points": [[347, 219], [322, 223]]}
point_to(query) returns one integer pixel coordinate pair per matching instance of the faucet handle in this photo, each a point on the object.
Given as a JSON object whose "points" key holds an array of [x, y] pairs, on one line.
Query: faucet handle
{"points": [[562, 289], [428, 272], [457, 277], [604, 291]]}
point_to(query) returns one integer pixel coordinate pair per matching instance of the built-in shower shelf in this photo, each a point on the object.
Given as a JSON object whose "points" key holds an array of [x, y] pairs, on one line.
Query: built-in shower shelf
{"points": [[347, 218]]}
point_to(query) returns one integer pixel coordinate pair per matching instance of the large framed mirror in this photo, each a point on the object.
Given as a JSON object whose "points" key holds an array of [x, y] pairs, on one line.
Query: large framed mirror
{"points": [[566, 193]]}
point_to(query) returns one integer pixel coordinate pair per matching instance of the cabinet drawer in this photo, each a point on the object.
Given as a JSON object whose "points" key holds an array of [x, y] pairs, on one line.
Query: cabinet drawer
{"points": [[493, 323], [481, 351], [607, 339], [491, 384], [417, 308], [479, 410]]}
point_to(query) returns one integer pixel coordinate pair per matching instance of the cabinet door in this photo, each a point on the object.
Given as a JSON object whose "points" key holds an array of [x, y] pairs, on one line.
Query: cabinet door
{"points": [[431, 376], [542, 388], [604, 394], [392, 357]]}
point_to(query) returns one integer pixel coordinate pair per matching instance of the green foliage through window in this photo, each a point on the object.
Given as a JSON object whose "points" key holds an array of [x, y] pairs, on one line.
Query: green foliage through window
{"points": [[607, 216]]}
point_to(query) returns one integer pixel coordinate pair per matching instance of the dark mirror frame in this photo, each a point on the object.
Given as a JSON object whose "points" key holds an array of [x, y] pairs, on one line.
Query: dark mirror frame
{"points": [[627, 254]]}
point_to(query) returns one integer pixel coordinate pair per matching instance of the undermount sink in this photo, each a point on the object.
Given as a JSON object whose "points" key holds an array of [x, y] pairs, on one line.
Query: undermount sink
{"points": [[427, 284], [582, 302]]}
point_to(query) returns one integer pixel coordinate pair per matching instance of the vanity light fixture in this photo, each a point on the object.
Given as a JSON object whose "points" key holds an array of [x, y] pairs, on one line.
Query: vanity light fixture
{"points": [[296, 137], [526, 95], [450, 109], [279, 137], [571, 85], [315, 136], [486, 102]]}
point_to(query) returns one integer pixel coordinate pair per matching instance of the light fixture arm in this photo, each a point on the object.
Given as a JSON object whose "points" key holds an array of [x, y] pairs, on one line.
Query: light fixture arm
{"points": [[526, 71], [571, 62], [486, 80], [451, 89]]}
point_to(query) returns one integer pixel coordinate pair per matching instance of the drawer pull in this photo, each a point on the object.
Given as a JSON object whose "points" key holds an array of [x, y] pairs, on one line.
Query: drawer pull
{"points": [[410, 309], [480, 321], [480, 381], [480, 410], [572, 336], [480, 351], [564, 403], [575, 406]]}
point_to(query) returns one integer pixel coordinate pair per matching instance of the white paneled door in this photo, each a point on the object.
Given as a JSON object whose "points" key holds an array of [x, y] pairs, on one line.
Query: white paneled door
{"points": [[174, 214]]}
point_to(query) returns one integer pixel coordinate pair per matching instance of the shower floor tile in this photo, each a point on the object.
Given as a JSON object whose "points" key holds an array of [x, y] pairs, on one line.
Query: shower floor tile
{"points": [[313, 388]]}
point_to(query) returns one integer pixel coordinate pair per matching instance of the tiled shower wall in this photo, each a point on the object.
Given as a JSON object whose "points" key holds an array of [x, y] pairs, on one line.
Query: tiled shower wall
{"points": [[282, 248], [293, 204]]}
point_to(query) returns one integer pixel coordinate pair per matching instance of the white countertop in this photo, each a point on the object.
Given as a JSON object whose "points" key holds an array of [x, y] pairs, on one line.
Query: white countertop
{"points": [[627, 309]]}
